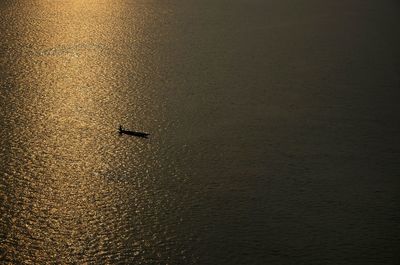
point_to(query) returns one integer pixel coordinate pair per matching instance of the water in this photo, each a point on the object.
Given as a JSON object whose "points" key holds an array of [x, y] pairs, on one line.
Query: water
{"points": [[274, 132]]}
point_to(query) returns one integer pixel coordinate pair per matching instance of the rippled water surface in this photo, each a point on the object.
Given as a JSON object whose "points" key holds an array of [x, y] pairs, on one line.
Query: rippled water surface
{"points": [[274, 132]]}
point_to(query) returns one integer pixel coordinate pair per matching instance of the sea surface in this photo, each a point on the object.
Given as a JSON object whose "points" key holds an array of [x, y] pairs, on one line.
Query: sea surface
{"points": [[274, 132]]}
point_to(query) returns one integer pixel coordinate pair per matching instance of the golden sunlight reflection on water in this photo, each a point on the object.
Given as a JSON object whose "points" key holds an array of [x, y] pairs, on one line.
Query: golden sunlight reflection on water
{"points": [[67, 161]]}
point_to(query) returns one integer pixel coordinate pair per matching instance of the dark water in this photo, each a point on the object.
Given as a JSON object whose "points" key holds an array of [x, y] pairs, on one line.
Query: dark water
{"points": [[274, 132]]}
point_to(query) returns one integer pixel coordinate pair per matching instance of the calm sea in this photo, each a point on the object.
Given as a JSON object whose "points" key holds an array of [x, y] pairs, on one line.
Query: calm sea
{"points": [[274, 132]]}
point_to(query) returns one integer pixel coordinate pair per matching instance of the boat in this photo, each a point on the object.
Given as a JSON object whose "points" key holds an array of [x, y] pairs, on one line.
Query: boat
{"points": [[133, 133]]}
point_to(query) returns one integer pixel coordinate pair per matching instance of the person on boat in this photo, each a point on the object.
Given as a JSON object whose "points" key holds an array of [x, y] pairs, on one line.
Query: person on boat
{"points": [[120, 128]]}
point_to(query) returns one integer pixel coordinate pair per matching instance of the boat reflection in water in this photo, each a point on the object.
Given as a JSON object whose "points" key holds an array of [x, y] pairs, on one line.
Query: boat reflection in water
{"points": [[133, 133]]}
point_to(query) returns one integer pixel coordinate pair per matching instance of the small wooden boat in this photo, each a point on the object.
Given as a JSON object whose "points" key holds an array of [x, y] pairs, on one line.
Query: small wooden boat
{"points": [[133, 133]]}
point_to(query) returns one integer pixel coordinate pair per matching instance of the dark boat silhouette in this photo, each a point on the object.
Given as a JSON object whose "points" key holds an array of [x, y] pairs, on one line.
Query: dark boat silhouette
{"points": [[133, 133]]}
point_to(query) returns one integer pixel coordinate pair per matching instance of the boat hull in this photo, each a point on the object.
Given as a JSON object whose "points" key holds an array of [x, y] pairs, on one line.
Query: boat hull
{"points": [[133, 133]]}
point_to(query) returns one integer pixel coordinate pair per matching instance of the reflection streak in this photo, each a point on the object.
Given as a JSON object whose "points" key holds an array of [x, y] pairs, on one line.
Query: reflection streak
{"points": [[67, 208]]}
